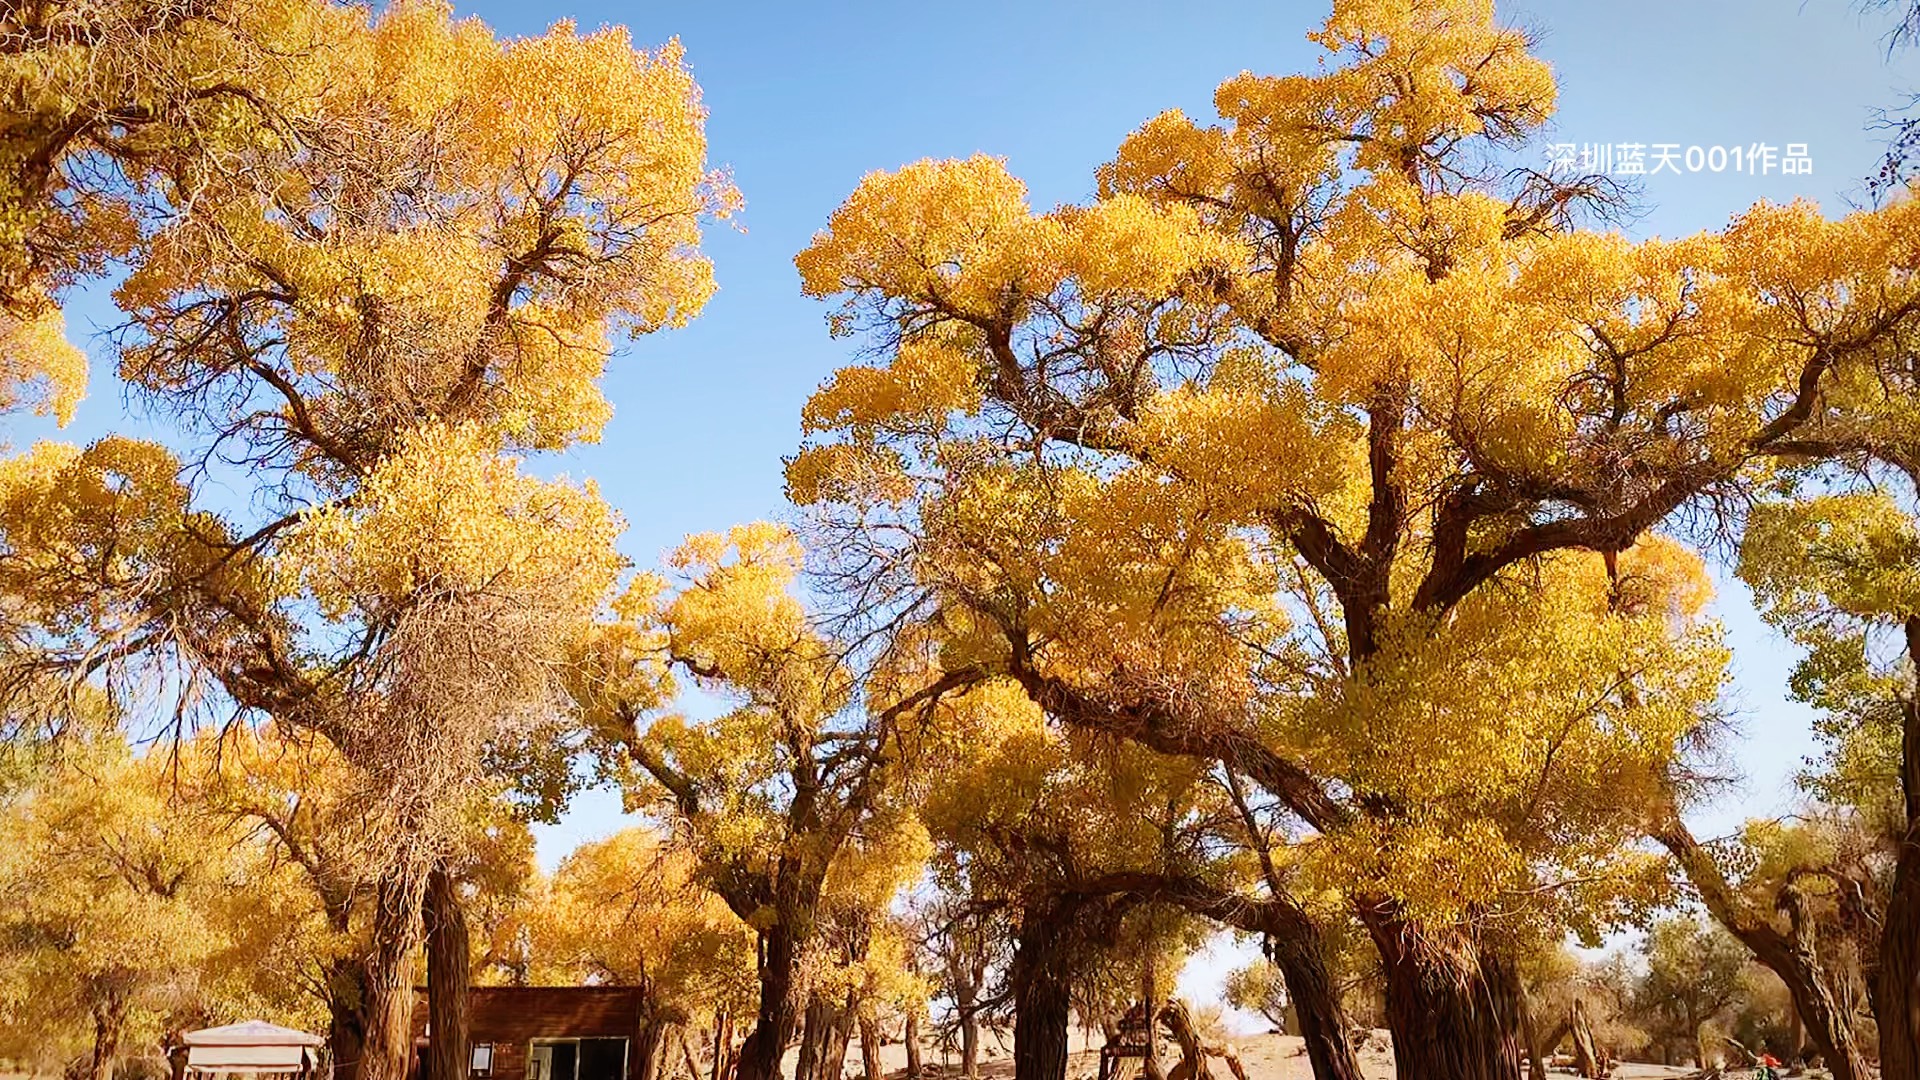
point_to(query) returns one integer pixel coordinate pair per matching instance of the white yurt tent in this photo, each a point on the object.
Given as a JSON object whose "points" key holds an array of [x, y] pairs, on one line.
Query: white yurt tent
{"points": [[252, 1046]]}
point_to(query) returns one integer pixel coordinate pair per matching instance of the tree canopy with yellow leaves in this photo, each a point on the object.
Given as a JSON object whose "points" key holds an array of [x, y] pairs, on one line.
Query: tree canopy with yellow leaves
{"points": [[395, 256], [1324, 444], [796, 798], [1294, 533]]}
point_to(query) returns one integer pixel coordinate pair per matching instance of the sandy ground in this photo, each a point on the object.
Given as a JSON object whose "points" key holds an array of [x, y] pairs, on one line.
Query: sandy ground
{"points": [[1265, 1057]]}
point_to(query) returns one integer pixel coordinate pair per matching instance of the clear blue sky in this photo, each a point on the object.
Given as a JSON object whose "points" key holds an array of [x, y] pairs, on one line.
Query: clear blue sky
{"points": [[805, 98]]}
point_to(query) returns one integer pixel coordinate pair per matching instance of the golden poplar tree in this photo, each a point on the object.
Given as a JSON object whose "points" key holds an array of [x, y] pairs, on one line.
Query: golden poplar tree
{"points": [[404, 274], [109, 889], [630, 911], [793, 799], [1322, 444]]}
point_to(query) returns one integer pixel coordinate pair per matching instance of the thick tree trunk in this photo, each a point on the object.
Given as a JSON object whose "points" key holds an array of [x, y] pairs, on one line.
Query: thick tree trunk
{"points": [[834, 1065], [346, 1015], [1896, 997], [389, 979], [1586, 1056], [773, 1030], [1828, 1023], [1041, 1002], [1453, 1016], [912, 1038], [1301, 958], [448, 976], [652, 1037], [1793, 956], [870, 1068], [969, 1033], [816, 1037], [109, 1021]]}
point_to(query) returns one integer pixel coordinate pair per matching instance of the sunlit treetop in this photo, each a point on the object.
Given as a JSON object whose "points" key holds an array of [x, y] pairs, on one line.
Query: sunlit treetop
{"points": [[629, 910], [1840, 574], [400, 266], [104, 99], [451, 227], [1321, 441]]}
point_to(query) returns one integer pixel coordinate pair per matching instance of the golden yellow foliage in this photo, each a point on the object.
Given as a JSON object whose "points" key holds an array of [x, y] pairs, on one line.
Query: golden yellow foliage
{"points": [[629, 910], [1314, 445]]}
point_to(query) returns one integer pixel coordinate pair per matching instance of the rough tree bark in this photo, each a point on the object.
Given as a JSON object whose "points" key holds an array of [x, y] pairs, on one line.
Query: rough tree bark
{"points": [[839, 1037], [346, 979], [109, 1021], [816, 1035], [1301, 957], [448, 976], [389, 977], [1896, 987], [1453, 1012], [912, 1038], [870, 1068], [1586, 1056], [1041, 975], [779, 956]]}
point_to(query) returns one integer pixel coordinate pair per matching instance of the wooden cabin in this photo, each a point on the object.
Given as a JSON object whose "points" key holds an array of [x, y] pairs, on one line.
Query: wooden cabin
{"points": [[543, 1033]]}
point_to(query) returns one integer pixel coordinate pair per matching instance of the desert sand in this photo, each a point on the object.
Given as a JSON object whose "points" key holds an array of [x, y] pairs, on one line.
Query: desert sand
{"points": [[1265, 1057]]}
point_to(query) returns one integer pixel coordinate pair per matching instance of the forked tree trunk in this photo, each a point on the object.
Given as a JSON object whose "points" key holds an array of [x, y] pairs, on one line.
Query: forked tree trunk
{"points": [[448, 975], [389, 978], [912, 1038], [1828, 1022], [1540, 1048], [1793, 956]]}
